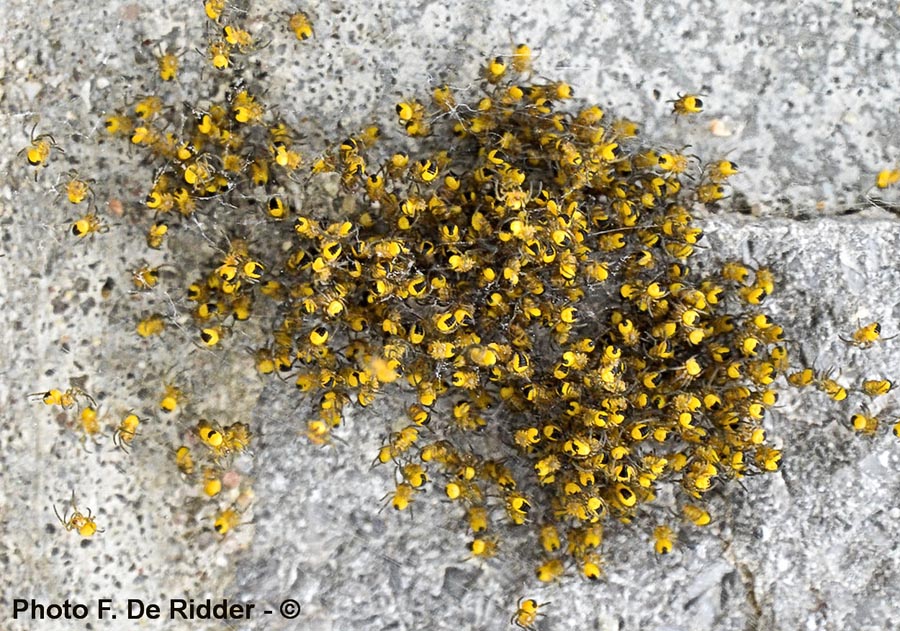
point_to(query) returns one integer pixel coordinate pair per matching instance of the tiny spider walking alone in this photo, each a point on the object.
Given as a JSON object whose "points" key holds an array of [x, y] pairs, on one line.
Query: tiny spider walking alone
{"points": [[37, 153], [527, 613], [85, 525], [687, 104]]}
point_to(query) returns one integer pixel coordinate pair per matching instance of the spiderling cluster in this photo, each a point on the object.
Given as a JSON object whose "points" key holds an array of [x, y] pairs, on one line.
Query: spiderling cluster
{"points": [[521, 280]]}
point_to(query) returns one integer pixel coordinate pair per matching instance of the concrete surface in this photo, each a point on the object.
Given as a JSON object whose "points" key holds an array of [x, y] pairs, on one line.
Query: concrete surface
{"points": [[804, 88]]}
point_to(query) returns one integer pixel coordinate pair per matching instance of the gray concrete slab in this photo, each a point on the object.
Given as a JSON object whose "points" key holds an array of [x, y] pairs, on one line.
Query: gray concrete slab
{"points": [[805, 91]]}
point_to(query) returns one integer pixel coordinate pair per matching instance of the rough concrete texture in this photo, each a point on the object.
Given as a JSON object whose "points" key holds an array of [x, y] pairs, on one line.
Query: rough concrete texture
{"points": [[805, 91]]}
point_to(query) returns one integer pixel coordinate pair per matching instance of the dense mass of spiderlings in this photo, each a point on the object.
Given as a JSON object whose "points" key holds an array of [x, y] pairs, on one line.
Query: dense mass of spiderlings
{"points": [[524, 278]]}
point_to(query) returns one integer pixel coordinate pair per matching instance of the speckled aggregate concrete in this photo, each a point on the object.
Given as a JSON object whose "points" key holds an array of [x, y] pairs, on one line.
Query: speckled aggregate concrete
{"points": [[805, 91]]}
